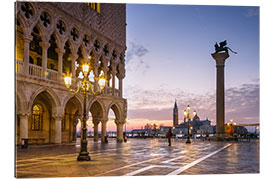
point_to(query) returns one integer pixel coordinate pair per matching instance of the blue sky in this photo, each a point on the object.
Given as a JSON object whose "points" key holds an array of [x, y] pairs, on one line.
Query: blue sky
{"points": [[169, 56]]}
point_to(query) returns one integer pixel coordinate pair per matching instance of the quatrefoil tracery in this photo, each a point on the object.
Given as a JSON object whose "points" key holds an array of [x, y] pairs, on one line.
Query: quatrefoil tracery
{"points": [[45, 19], [27, 9], [74, 34], [61, 28]]}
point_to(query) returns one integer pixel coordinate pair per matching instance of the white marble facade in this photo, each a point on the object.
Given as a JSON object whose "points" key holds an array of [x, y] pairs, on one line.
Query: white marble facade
{"points": [[53, 39]]}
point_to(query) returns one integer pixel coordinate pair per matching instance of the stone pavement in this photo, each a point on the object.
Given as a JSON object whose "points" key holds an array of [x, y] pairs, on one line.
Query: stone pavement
{"points": [[138, 157]]}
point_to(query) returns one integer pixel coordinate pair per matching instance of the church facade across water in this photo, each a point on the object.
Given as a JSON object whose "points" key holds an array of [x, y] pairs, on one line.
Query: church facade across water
{"points": [[197, 126]]}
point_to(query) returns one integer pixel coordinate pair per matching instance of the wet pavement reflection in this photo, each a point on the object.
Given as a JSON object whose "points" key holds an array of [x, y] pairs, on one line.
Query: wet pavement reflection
{"points": [[138, 157]]}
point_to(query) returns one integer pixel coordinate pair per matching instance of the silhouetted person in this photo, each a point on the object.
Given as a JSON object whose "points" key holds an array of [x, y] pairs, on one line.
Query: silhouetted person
{"points": [[125, 137], [169, 136], [106, 138]]}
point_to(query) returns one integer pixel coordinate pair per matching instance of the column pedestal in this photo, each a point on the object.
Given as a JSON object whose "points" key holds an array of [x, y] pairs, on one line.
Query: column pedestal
{"points": [[24, 125]]}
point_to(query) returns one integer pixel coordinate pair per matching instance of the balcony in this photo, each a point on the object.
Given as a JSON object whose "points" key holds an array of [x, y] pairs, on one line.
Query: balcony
{"points": [[52, 76], [35, 70]]}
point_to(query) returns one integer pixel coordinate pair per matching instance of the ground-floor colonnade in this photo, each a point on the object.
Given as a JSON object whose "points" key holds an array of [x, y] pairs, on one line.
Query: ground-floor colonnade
{"points": [[50, 115]]}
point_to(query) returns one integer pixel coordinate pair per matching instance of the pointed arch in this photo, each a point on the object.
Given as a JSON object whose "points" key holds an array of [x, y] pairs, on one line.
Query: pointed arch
{"points": [[42, 31], [22, 21], [21, 102], [97, 108], [116, 109], [55, 102], [77, 98]]}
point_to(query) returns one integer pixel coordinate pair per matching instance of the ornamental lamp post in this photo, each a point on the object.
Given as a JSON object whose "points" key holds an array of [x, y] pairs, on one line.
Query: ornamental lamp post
{"points": [[85, 86], [187, 116]]}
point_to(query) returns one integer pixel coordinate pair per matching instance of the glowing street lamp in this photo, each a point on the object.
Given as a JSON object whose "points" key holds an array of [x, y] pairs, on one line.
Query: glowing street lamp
{"points": [[188, 116], [85, 86]]}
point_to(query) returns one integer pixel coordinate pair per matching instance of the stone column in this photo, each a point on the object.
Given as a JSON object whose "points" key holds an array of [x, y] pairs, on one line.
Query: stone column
{"points": [[45, 47], [74, 132], [119, 131], [95, 130], [24, 125], [107, 86], [113, 84], [73, 71], [26, 41], [120, 87], [103, 129], [58, 129], [60, 52], [95, 72], [220, 101]]}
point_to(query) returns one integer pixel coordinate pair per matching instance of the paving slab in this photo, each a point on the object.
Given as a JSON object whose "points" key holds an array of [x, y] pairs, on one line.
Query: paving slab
{"points": [[138, 157]]}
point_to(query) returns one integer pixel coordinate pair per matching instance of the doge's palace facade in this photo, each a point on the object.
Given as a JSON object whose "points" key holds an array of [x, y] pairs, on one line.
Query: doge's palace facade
{"points": [[53, 39]]}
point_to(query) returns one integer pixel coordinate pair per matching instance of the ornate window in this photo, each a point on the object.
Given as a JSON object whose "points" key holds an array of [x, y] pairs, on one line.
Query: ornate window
{"points": [[37, 120], [96, 45], [114, 54], [27, 10], [75, 34], [52, 54], [86, 40], [61, 27], [44, 17], [34, 44], [106, 50]]}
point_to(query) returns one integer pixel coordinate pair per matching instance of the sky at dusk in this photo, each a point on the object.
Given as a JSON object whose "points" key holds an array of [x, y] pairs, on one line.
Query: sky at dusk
{"points": [[169, 57]]}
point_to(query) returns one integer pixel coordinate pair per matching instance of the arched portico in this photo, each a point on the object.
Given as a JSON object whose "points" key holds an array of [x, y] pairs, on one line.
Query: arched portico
{"points": [[96, 109], [118, 121], [46, 47], [44, 125], [22, 116], [73, 110]]}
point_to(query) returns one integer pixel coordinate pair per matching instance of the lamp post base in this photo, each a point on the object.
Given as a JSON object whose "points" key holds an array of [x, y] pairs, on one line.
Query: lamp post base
{"points": [[188, 141], [83, 156]]}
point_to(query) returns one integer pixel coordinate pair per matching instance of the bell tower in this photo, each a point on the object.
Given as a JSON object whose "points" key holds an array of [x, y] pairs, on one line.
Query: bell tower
{"points": [[175, 114]]}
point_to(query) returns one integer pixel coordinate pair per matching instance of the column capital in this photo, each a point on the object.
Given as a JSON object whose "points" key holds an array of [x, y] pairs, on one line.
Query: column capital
{"points": [[220, 58], [24, 115], [119, 122], [27, 38], [58, 117], [104, 120], [74, 57], [113, 72], [44, 45], [95, 123], [120, 76], [60, 50]]}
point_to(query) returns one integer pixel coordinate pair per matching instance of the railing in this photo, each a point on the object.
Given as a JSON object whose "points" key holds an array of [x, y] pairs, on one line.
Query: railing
{"points": [[109, 91], [52, 74], [117, 92], [19, 66], [35, 70]]}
